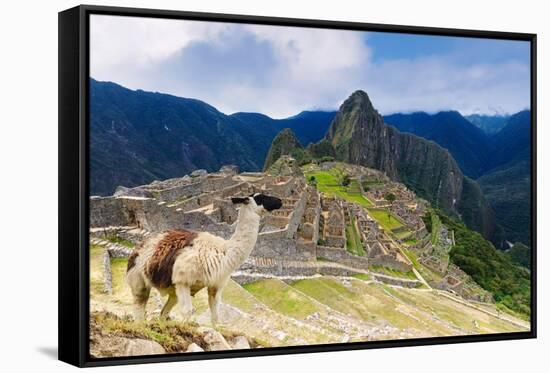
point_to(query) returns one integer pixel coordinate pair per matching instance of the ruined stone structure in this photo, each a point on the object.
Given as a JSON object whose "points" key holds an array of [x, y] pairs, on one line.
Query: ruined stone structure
{"points": [[308, 227]]}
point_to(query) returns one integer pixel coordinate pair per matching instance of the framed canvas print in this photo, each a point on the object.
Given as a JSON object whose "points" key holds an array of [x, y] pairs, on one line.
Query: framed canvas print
{"points": [[237, 186]]}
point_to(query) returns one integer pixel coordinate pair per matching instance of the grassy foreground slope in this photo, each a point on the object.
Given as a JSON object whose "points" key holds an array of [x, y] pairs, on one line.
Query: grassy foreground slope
{"points": [[313, 310]]}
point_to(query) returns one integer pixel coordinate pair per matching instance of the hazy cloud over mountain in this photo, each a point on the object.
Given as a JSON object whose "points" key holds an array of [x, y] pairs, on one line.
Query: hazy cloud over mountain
{"points": [[281, 71]]}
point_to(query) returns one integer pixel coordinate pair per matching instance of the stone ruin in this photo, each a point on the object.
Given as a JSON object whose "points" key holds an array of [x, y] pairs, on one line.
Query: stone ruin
{"points": [[308, 226]]}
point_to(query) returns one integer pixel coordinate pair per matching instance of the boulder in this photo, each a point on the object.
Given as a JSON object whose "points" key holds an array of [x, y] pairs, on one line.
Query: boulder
{"points": [[214, 340], [137, 347], [240, 343], [193, 347], [111, 346]]}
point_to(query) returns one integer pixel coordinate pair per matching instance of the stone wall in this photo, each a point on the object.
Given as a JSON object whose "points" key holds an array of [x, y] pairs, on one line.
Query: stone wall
{"points": [[342, 256], [335, 241], [397, 281], [390, 262], [107, 211]]}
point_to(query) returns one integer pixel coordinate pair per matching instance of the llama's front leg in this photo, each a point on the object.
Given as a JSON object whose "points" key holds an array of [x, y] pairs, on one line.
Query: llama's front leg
{"points": [[185, 301], [214, 297]]}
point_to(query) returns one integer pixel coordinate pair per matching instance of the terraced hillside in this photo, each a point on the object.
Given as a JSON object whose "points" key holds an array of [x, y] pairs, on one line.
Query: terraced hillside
{"points": [[316, 309], [350, 256]]}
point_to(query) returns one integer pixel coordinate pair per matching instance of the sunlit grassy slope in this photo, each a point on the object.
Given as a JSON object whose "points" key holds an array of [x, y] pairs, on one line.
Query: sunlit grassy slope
{"points": [[318, 310]]}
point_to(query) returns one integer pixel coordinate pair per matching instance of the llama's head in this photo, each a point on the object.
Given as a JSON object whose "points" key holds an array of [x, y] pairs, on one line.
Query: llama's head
{"points": [[259, 202]]}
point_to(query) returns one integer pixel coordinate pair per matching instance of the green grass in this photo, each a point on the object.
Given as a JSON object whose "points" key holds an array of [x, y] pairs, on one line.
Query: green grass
{"points": [[387, 221], [403, 235], [394, 273], [96, 266], [353, 239], [362, 276], [282, 298], [425, 272], [410, 241], [173, 335], [118, 270], [323, 259], [120, 241], [412, 257], [328, 183]]}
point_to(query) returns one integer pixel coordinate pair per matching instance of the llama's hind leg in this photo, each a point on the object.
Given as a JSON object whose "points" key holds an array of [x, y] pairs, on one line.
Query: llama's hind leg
{"points": [[140, 293], [185, 301], [170, 303], [214, 296]]}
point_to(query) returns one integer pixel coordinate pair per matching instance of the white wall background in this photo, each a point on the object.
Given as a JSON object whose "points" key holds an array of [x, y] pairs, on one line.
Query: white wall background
{"points": [[28, 186]]}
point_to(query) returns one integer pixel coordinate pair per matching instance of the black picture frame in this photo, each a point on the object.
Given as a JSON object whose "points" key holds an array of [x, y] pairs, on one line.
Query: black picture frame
{"points": [[74, 183]]}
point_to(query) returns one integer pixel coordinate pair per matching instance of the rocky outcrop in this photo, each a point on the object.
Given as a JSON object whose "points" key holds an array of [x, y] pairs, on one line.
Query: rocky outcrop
{"points": [[112, 346], [360, 136], [112, 336]]}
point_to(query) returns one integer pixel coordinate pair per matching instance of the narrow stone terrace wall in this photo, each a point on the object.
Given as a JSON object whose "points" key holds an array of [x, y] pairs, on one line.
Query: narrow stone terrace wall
{"points": [[342, 256]]}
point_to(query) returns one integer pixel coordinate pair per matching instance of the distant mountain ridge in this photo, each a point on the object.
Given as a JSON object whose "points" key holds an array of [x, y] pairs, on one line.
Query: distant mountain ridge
{"points": [[468, 144], [137, 136], [308, 126], [490, 124], [508, 184]]}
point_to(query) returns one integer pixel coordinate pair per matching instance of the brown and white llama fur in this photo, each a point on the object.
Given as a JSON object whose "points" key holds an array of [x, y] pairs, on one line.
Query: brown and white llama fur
{"points": [[179, 263]]}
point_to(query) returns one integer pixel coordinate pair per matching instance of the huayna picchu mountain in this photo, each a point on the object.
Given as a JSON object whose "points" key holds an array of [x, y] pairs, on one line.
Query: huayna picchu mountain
{"points": [[360, 136]]}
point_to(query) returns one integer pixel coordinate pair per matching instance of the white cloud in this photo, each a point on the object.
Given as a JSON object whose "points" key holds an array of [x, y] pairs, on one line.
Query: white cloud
{"points": [[280, 71]]}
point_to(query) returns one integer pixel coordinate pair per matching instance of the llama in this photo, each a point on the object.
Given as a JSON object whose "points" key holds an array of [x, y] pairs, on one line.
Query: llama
{"points": [[179, 263]]}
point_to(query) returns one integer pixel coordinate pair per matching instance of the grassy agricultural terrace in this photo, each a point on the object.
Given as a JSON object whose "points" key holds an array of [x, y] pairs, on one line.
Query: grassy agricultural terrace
{"points": [[332, 183]]}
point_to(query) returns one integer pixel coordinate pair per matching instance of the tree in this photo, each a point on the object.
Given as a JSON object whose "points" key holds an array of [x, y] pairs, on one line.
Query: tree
{"points": [[346, 180], [390, 197]]}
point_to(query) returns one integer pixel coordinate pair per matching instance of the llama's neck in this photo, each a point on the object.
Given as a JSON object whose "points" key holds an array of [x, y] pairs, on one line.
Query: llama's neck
{"points": [[244, 239]]}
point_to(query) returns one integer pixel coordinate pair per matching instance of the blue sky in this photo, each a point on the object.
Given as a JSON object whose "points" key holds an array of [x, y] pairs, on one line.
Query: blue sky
{"points": [[280, 71]]}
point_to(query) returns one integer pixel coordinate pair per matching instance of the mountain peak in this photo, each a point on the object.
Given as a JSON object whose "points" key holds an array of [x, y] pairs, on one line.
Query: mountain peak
{"points": [[285, 143], [359, 97], [356, 113]]}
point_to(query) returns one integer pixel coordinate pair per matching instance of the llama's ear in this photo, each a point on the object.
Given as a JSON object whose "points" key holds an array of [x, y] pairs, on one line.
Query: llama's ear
{"points": [[237, 200]]}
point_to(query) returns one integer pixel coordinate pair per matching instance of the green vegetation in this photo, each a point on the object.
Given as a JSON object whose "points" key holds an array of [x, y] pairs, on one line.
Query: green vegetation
{"points": [[345, 180], [385, 219], [285, 143], [173, 335], [323, 259], [362, 276], [330, 183], [322, 150], [120, 241], [404, 235], [492, 269], [435, 226], [410, 241], [390, 197], [281, 298], [393, 272], [520, 254], [353, 239]]}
